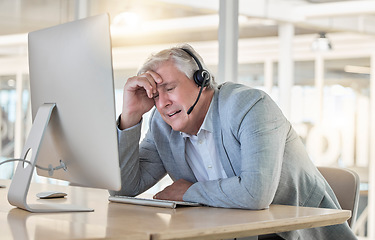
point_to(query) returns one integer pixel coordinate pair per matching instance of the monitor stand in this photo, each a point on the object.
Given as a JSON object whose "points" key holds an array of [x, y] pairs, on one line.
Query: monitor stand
{"points": [[19, 187]]}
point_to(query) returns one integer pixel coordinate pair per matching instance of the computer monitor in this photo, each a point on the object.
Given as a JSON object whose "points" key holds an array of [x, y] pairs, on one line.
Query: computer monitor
{"points": [[73, 109]]}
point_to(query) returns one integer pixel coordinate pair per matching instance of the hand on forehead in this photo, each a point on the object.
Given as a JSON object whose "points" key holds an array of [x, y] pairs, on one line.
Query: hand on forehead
{"points": [[157, 78]]}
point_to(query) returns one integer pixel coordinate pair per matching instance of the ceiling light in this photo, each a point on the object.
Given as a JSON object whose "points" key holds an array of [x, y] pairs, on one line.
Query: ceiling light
{"points": [[321, 43]]}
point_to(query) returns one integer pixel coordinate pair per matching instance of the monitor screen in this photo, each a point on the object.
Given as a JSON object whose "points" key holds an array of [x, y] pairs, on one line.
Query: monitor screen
{"points": [[71, 69], [71, 66]]}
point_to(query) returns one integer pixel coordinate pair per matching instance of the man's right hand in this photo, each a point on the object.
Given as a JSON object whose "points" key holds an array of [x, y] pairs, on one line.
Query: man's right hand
{"points": [[138, 97]]}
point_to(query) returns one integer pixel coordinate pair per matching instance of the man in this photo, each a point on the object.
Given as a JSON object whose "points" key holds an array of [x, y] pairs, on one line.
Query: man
{"points": [[232, 148]]}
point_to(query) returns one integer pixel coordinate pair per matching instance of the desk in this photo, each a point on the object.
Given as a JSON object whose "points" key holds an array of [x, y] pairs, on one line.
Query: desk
{"points": [[123, 221]]}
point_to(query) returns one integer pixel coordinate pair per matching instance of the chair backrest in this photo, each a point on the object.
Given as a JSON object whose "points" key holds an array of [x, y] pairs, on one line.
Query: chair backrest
{"points": [[345, 184]]}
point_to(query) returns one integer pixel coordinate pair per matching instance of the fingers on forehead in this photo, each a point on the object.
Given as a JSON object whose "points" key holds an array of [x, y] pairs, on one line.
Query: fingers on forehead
{"points": [[157, 78]]}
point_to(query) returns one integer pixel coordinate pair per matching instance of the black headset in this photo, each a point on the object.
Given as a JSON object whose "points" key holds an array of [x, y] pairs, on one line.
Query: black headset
{"points": [[201, 77]]}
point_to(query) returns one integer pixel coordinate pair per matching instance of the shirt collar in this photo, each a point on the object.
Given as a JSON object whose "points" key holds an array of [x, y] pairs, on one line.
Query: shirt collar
{"points": [[206, 125]]}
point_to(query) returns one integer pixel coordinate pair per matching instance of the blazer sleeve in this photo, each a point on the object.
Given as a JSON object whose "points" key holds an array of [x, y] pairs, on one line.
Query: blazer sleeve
{"points": [[140, 170], [258, 133]]}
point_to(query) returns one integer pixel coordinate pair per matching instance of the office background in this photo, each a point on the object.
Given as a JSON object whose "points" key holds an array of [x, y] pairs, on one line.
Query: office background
{"points": [[314, 57]]}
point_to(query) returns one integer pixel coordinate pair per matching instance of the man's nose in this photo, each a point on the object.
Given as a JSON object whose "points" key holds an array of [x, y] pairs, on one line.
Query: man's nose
{"points": [[163, 100]]}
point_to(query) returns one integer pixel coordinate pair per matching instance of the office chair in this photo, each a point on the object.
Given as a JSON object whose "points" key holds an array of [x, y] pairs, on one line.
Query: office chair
{"points": [[345, 184]]}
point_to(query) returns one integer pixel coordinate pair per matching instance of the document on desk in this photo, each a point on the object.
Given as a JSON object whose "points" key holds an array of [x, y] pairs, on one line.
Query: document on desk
{"points": [[151, 202]]}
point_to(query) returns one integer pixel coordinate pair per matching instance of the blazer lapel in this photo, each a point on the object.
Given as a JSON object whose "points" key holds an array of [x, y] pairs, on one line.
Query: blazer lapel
{"points": [[219, 140], [181, 167]]}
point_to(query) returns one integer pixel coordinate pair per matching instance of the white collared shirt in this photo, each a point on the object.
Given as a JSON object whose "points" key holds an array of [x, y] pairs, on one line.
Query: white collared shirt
{"points": [[201, 153]]}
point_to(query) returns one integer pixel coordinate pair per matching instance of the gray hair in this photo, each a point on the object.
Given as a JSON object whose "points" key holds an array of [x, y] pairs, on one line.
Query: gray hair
{"points": [[182, 60]]}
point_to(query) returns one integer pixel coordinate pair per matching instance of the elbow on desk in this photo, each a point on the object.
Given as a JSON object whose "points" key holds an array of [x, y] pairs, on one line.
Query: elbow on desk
{"points": [[256, 200], [217, 195], [259, 206], [249, 204], [245, 200], [255, 204]]}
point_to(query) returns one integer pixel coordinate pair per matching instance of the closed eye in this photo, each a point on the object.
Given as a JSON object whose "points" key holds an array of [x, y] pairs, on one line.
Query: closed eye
{"points": [[170, 89]]}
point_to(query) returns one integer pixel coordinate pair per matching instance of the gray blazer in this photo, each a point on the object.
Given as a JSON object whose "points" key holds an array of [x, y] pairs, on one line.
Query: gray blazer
{"points": [[263, 157]]}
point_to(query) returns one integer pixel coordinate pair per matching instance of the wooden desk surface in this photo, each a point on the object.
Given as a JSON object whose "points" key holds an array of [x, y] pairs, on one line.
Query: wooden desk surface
{"points": [[124, 221]]}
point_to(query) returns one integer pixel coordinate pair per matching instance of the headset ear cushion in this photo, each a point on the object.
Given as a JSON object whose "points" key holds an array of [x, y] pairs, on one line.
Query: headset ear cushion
{"points": [[200, 76]]}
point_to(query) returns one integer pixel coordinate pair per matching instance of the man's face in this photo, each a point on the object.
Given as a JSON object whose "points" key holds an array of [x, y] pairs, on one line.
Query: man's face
{"points": [[176, 94]]}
